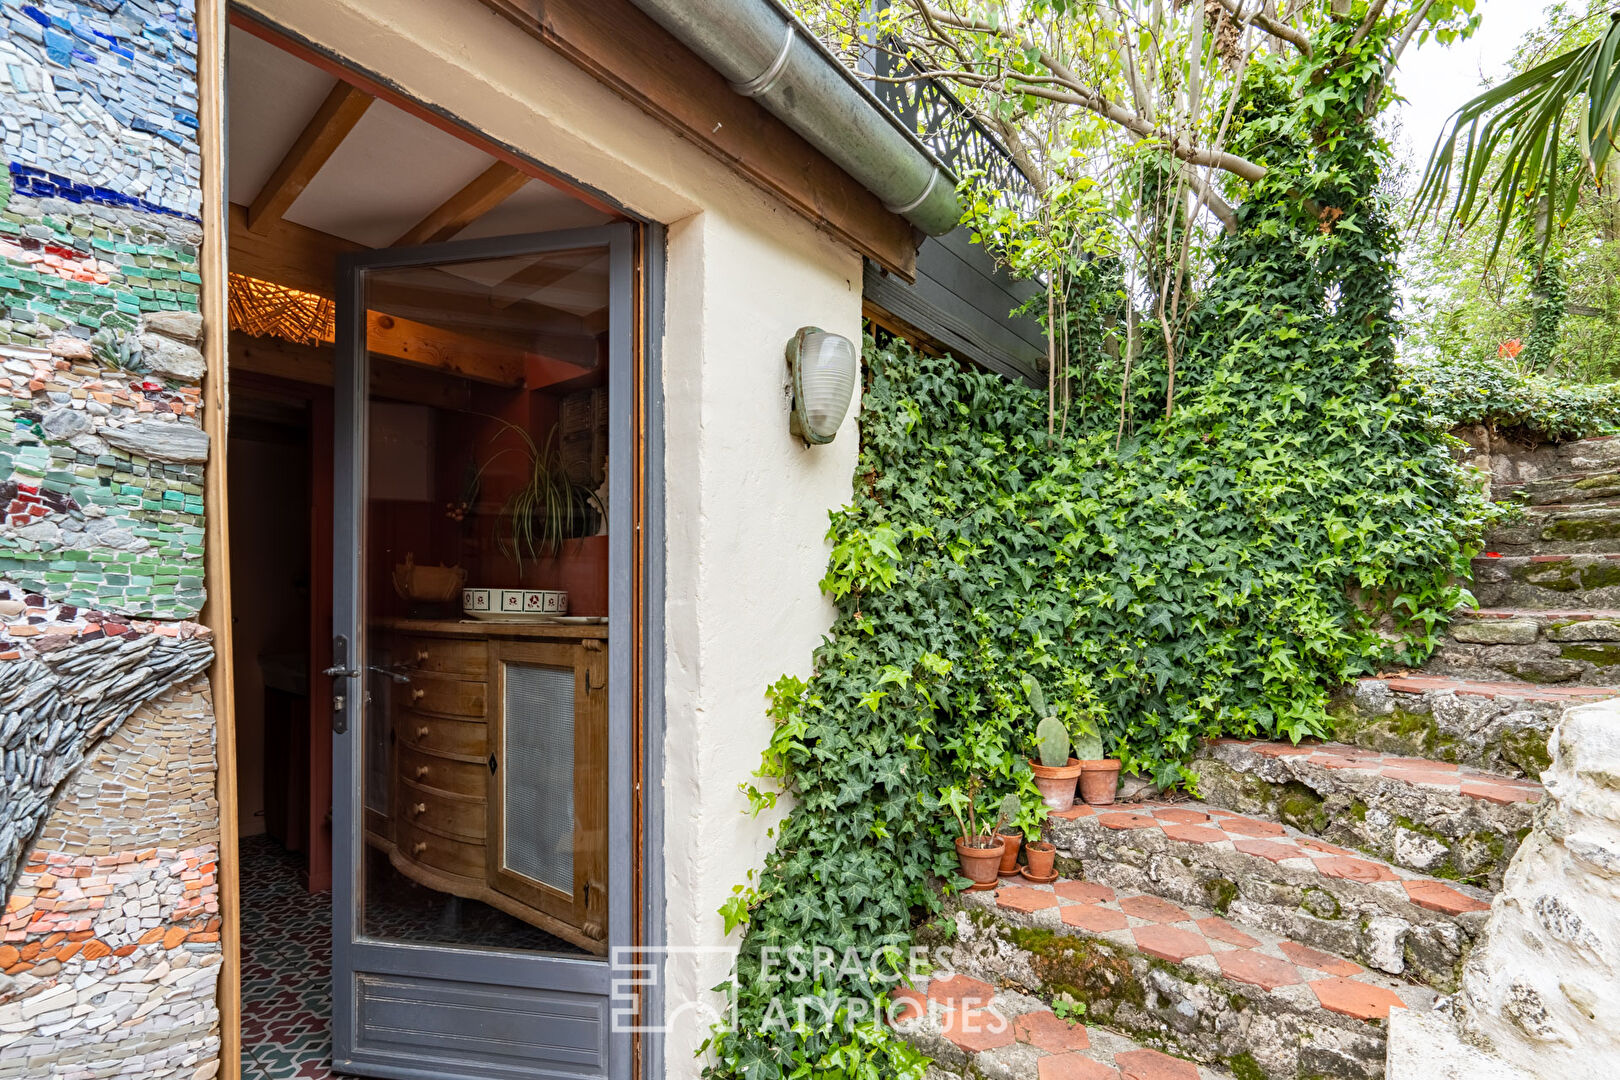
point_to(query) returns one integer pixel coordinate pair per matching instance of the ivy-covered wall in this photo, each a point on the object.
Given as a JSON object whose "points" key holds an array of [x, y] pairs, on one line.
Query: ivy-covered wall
{"points": [[109, 939]]}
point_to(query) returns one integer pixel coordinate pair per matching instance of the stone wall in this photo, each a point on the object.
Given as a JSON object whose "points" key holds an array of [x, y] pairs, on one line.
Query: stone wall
{"points": [[109, 828], [1539, 992]]}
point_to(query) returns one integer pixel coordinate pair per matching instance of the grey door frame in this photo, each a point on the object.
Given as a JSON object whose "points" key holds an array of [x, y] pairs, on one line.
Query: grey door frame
{"points": [[353, 954]]}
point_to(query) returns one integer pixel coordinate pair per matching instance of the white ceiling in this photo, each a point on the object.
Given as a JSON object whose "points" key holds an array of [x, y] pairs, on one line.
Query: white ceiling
{"points": [[388, 174]]}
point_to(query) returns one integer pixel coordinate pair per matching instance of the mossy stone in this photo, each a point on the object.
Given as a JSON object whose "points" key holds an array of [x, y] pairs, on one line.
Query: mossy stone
{"points": [[1602, 655]]}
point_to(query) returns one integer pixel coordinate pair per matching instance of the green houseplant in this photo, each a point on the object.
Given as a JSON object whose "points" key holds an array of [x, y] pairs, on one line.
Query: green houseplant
{"points": [[1056, 773], [1099, 776], [547, 507], [978, 850], [1041, 857], [1011, 837]]}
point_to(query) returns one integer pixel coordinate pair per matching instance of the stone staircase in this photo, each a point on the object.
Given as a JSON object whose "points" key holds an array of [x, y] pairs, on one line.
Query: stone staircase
{"points": [[1266, 932]]}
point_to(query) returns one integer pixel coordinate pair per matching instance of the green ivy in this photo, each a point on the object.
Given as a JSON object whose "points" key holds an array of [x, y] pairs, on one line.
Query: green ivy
{"points": [[1500, 395], [1295, 520]]}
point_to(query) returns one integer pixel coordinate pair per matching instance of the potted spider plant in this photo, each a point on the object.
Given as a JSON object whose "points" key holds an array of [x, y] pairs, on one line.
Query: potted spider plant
{"points": [[548, 506]]}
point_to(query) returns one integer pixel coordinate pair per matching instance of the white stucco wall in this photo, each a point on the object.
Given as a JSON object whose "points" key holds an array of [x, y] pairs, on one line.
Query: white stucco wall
{"points": [[746, 504]]}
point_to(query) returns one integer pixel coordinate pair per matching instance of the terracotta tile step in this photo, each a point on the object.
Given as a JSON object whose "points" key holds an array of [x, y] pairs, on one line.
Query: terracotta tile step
{"points": [[1498, 726], [1213, 990], [1430, 817], [972, 1028], [1259, 872]]}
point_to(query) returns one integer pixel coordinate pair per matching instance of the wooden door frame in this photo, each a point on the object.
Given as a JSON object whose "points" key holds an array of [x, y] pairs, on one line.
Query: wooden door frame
{"points": [[213, 17]]}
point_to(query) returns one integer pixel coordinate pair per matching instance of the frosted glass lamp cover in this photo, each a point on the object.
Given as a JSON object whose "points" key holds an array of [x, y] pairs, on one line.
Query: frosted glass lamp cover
{"points": [[824, 368]]}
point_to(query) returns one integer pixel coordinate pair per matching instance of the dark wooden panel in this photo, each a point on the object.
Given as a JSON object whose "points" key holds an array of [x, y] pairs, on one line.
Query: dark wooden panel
{"points": [[963, 303]]}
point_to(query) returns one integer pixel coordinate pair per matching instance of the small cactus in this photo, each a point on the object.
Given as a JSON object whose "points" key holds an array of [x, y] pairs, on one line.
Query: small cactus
{"points": [[1037, 699], [1009, 812], [1088, 747], [1053, 739]]}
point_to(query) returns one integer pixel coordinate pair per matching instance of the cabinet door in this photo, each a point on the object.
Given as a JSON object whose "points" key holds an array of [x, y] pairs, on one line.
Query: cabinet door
{"points": [[548, 780]]}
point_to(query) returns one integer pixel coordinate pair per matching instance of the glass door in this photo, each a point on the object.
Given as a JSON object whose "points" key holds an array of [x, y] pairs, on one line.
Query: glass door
{"points": [[482, 754]]}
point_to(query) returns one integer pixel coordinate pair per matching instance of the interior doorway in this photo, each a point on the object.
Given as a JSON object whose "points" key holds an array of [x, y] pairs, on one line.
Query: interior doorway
{"points": [[430, 564]]}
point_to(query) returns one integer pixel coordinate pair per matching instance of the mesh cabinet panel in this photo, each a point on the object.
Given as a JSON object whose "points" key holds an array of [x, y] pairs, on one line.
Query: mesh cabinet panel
{"points": [[538, 760]]}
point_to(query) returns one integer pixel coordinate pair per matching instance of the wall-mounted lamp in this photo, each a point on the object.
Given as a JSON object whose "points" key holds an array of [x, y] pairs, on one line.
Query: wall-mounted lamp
{"points": [[824, 367]]}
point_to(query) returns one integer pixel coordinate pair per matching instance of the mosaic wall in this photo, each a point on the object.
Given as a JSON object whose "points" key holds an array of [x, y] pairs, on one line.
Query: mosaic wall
{"points": [[109, 939]]}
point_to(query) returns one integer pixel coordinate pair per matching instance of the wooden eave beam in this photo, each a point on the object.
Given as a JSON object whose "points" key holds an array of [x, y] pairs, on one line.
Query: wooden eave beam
{"points": [[321, 137], [632, 55], [488, 190]]}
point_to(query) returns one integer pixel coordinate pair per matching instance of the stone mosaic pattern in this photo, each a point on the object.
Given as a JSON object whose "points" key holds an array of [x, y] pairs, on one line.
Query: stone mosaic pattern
{"points": [[104, 91], [109, 945], [108, 822], [1267, 874], [286, 968], [1184, 976]]}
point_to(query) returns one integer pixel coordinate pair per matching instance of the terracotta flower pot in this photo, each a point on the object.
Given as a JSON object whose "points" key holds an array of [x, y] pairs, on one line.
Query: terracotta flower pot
{"points": [[1056, 783], [1011, 842], [1042, 855], [982, 865], [1099, 780]]}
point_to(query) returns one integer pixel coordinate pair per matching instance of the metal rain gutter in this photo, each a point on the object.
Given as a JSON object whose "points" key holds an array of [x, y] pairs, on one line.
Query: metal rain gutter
{"points": [[769, 56]]}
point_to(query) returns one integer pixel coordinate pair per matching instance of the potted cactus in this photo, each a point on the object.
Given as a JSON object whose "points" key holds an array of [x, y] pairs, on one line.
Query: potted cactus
{"points": [[978, 851], [1099, 776], [1012, 839]]}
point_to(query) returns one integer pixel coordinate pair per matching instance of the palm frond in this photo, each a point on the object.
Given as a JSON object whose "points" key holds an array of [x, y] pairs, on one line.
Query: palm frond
{"points": [[1502, 148]]}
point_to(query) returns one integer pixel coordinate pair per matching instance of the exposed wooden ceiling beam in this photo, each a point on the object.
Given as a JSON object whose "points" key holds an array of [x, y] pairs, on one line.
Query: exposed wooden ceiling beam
{"points": [[324, 133], [303, 258], [487, 190], [547, 270]]}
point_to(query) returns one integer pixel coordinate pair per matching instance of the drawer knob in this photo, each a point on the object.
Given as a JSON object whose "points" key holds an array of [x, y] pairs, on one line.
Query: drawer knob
{"points": [[421, 656], [421, 771], [422, 732], [419, 847], [419, 809], [418, 694]]}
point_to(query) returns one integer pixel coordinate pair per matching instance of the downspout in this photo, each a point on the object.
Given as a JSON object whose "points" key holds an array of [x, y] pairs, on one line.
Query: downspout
{"points": [[769, 56]]}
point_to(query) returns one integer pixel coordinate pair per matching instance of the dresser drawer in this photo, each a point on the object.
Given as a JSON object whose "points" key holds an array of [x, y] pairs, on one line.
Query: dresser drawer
{"points": [[437, 812], [461, 857], [442, 694], [449, 656], [433, 771], [443, 734]]}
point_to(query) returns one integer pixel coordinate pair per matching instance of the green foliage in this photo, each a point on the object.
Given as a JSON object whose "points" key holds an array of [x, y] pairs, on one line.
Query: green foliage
{"points": [[1053, 739], [1497, 393], [1160, 575]]}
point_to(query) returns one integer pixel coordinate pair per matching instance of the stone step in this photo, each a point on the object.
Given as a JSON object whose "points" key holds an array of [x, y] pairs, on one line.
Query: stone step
{"points": [[1182, 977], [1547, 581], [1593, 529], [1529, 645], [1500, 727], [1518, 466], [970, 1028], [1567, 488], [1431, 817], [1263, 873]]}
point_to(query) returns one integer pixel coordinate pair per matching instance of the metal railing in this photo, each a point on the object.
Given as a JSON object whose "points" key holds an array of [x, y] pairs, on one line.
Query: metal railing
{"points": [[946, 126]]}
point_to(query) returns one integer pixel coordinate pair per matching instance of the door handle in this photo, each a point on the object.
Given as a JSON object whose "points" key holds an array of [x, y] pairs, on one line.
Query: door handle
{"points": [[338, 671]]}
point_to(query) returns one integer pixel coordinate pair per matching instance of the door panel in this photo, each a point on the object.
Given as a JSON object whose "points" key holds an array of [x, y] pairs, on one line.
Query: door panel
{"points": [[481, 784]]}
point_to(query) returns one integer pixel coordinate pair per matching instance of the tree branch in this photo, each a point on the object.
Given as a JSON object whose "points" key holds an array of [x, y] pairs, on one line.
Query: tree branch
{"points": [[1408, 32], [1076, 92], [1275, 27], [1374, 10]]}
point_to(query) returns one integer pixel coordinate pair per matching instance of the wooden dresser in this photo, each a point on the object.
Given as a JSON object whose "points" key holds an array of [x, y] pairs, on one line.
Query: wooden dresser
{"points": [[489, 781]]}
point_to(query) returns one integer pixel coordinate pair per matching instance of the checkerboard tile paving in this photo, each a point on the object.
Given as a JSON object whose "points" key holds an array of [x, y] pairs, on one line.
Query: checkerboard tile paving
{"points": [[1419, 684], [1261, 962], [1441, 776], [1005, 1033], [1287, 848]]}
